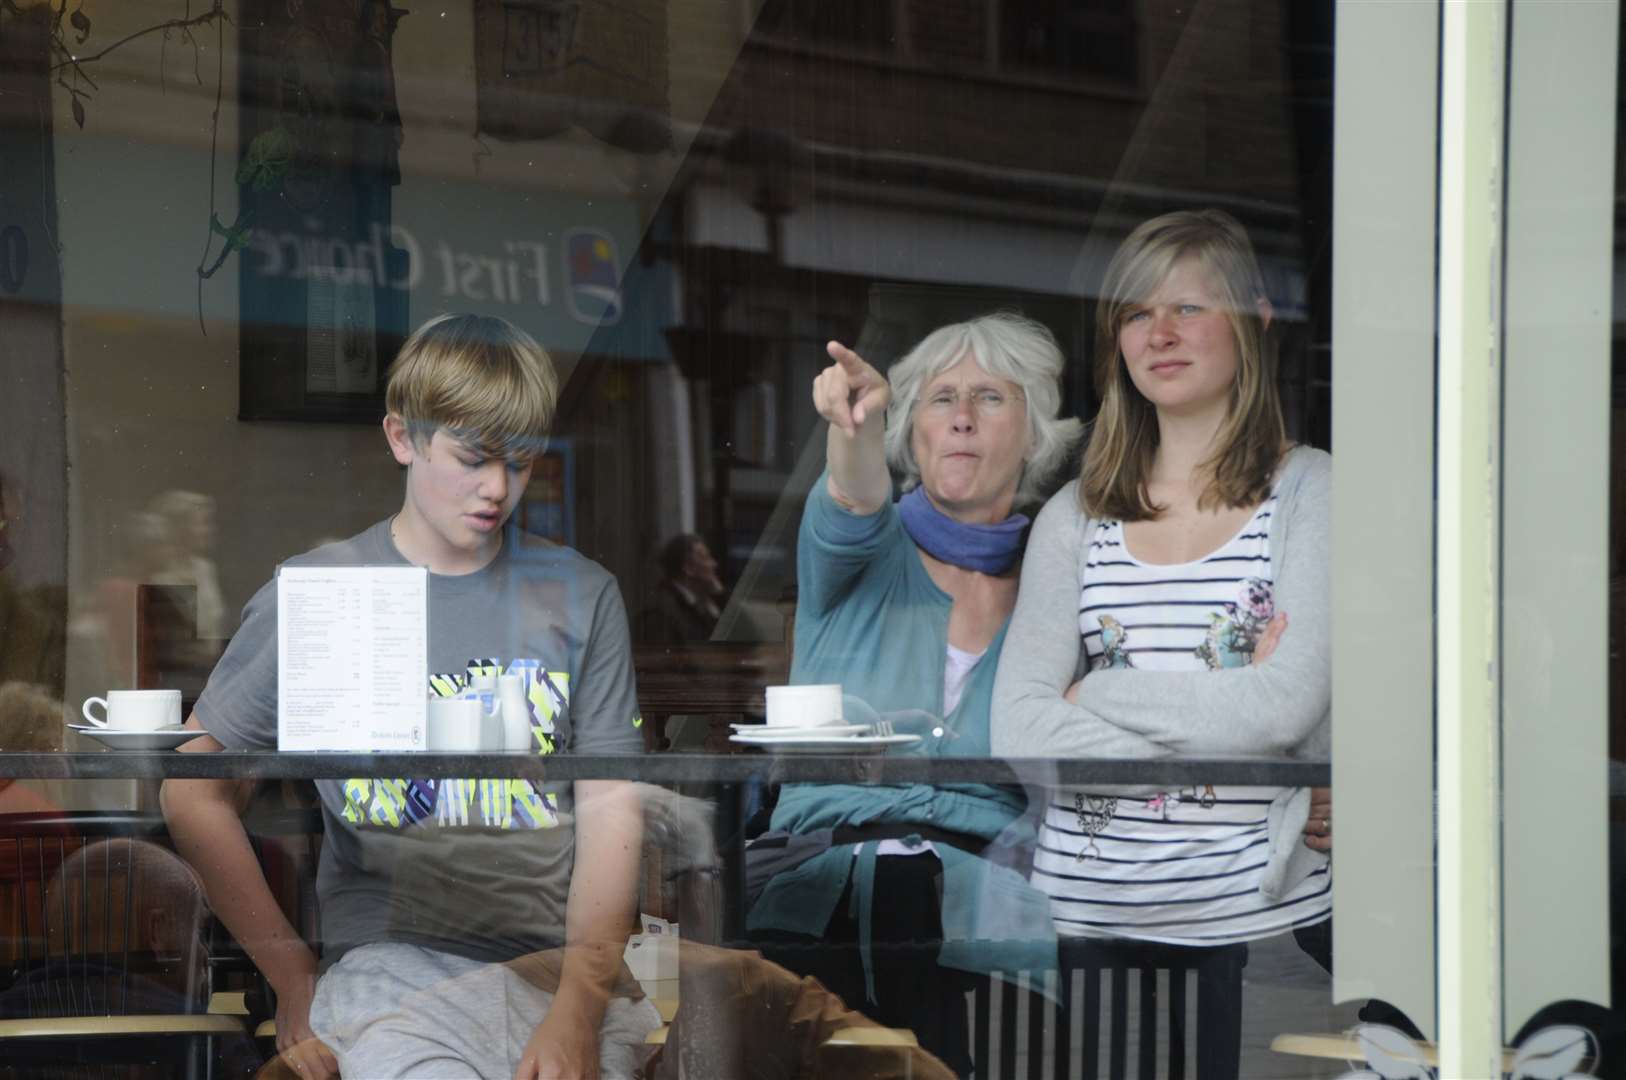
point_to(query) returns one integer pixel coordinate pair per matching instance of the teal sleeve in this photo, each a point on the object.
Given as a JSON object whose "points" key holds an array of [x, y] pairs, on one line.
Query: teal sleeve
{"points": [[835, 546]]}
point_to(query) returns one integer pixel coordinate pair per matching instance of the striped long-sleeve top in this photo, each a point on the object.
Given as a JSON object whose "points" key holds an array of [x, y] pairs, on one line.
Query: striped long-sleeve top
{"points": [[1182, 865]]}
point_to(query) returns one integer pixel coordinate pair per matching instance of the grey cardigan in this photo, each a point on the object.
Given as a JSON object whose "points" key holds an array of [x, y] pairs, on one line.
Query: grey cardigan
{"points": [[1279, 708]]}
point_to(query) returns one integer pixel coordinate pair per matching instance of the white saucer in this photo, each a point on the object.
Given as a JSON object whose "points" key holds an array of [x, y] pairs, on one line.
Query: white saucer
{"points": [[822, 732], [823, 744], [124, 739]]}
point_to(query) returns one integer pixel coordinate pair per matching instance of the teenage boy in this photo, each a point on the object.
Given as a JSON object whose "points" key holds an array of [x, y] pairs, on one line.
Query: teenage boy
{"points": [[426, 887]]}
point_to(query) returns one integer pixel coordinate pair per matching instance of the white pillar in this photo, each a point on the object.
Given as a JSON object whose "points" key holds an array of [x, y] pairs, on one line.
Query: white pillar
{"points": [[1472, 143]]}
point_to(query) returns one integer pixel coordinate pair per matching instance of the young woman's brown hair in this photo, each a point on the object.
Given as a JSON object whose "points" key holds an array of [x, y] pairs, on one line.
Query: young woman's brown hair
{"points": [[1124, 437]]}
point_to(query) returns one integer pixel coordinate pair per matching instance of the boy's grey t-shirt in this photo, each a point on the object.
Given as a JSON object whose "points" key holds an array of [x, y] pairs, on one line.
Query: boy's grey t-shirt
{"points": [[396, 866]]}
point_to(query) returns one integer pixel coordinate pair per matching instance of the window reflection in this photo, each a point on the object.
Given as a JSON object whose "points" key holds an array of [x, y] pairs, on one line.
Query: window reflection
{"points": [[683, 204], [31, 615], [1064, 37], [847, 24]]}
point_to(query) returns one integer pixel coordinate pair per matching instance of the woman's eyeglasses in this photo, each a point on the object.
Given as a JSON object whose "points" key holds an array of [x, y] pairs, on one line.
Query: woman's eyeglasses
{"points": [[985, 401]]}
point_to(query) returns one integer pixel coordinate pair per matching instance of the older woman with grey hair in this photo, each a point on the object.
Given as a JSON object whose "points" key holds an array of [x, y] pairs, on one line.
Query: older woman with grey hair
{"points": [[905, 604]]}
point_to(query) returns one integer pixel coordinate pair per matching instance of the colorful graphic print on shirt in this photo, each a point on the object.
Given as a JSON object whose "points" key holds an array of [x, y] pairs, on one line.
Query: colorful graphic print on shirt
{"points": [[501, 803], [1146, 616], [1234, 632], [1114, 643], [1229, 642]]}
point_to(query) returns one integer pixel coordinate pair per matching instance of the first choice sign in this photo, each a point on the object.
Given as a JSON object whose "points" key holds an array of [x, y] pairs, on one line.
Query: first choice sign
{"points": [[518, 274]]}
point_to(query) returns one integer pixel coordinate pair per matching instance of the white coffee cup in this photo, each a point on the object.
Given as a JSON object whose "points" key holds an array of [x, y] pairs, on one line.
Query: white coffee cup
{"points": [[136, 710], [817, 705], [455, 724]]}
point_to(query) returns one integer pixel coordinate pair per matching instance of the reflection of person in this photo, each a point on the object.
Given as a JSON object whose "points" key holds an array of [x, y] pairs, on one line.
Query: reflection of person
{"points": [[165, 923], [148, 959], [1196, 528], [169, 543], [30, 722], [30, 719], [188, 522], [30, 710], [742, 1016], [8, 554], [905, 604], [688, 598], [33, 633], [425, 887]]}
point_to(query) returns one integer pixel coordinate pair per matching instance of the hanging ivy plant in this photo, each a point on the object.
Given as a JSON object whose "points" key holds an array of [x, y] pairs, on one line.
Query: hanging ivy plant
{"points": [[72, 74]]}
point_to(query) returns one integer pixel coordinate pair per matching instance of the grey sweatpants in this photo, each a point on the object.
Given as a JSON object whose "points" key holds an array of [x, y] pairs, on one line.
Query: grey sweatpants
{"points": [[392, 1011]]}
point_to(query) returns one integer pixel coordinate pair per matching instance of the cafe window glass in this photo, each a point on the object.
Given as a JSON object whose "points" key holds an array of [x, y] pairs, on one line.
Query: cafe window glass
{"points": [[221, 222]]}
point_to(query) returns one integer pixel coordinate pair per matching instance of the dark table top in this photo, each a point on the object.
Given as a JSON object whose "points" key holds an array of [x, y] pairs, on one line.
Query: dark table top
{"points": [[664, 768]]}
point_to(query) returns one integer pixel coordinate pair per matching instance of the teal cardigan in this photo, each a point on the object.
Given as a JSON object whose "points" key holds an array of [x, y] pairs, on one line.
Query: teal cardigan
{"points": [[869, 616]]}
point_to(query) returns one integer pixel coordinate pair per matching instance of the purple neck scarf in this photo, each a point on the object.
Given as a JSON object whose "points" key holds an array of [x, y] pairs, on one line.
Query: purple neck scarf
{"points": [[987, 549]]}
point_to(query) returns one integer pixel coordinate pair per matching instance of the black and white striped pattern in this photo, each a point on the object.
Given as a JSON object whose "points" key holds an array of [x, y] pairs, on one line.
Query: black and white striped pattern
{"points": [[1180, 866]]}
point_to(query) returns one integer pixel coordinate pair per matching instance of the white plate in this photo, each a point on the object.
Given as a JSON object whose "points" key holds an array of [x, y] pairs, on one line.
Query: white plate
{"points": [[162, 739], [824, 731], [791, 744]]}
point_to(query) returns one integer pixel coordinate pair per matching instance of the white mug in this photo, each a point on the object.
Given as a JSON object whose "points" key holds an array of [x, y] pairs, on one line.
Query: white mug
{"points": [[455, 724], [815, 705], [136, 710]]}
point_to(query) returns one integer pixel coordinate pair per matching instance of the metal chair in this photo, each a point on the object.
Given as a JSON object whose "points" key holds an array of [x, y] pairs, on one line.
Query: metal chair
{"points": [[94, 971]]}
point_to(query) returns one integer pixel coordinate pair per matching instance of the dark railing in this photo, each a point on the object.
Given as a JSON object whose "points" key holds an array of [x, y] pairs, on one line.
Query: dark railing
{"points": [[666, 768]]}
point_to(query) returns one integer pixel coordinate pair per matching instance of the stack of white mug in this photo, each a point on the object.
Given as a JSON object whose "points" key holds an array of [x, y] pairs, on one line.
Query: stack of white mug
{"points": [[492, 714]]}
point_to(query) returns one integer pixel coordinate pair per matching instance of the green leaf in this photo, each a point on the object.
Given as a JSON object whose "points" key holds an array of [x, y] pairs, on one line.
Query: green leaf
{"points": [[266, 160], [78, 112]]}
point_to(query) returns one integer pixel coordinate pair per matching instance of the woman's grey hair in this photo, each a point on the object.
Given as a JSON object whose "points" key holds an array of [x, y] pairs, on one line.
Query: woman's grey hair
{"points": [[1007, 346]]}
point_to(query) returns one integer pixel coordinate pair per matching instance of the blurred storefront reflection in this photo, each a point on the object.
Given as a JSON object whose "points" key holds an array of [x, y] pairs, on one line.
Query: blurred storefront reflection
{"points": [[218, 221]]}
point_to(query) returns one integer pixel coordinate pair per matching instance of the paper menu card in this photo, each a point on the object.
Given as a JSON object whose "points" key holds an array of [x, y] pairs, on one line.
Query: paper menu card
{"points": [[352, 657]]}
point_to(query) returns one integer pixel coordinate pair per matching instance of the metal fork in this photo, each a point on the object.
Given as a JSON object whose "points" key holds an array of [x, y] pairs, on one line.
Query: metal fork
{"points": [[882, 727]]}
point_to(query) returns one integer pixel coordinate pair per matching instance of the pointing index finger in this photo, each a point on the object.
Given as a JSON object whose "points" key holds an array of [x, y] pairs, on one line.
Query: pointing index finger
{"points": [[850, 361]]}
